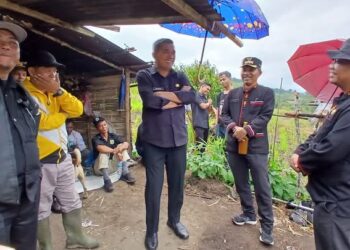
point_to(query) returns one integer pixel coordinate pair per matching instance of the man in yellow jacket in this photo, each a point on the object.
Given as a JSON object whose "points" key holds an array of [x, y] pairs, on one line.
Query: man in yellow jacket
{"points": [[56, 105]]}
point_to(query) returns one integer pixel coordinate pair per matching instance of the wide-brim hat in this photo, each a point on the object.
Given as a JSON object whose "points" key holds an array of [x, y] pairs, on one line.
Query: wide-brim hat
{"points": [[342, 53], [15, 29], [44, 58]]}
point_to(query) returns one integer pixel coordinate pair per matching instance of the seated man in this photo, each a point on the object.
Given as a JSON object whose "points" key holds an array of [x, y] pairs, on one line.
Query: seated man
{"points": [[109, 149], [75, 140]]}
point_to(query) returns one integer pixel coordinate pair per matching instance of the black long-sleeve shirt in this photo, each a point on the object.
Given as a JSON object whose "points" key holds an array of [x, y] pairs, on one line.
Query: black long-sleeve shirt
{"points": [[163, 127], [256, 109], [325, 156]]}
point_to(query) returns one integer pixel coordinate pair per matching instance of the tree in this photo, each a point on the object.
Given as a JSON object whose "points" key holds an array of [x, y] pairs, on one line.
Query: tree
{"points": [[207, 73]]}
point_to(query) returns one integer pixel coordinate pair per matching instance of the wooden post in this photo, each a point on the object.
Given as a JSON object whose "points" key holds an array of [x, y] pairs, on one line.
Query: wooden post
{"points": [[43, 17], [128, 109]]}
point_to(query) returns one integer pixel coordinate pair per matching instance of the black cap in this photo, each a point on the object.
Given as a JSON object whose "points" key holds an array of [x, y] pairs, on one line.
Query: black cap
{"points": [[252, 62], [43, 58], [97, 120], [342, 53]]}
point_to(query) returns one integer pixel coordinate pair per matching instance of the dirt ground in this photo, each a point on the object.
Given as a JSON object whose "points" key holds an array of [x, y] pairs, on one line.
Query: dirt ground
{"points": [[118, 220]]}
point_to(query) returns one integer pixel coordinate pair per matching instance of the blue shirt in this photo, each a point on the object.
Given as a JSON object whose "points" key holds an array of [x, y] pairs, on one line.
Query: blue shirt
{"points": [[163, 128]]}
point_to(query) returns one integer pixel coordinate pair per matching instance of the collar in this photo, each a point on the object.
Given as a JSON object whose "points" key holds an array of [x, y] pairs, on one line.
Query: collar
{"points": [[154, 70], [250, 88]]}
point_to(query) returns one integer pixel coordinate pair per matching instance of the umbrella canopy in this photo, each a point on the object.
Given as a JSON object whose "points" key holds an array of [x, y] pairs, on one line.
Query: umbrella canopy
{"points": [[309, 67], [243, 18]]}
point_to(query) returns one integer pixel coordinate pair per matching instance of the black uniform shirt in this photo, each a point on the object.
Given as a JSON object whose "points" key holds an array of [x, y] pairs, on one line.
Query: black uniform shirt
{"points": [[200, 117], [325, 156], [255, 108], [219, 105], [163, 128], [112, 142]]}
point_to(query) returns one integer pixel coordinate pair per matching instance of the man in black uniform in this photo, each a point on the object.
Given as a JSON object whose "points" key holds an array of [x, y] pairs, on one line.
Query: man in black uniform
{"points": [[226, 83], [246, 113], [20, 166], [110, 149], [164, 93], [325, 158], [200, 115]]}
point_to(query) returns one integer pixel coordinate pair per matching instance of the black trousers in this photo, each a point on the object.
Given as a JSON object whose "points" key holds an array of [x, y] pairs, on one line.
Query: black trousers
{"points": [[174, 160], [18, 223], [331, 231], [256, 164]]}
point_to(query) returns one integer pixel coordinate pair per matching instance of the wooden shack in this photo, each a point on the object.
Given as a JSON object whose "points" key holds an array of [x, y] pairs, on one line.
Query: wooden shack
{"points": [[92, 61]]}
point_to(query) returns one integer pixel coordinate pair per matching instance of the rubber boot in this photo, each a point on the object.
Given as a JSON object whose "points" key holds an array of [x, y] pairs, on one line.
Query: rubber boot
{"points": [[75, 236], [44, 234]]}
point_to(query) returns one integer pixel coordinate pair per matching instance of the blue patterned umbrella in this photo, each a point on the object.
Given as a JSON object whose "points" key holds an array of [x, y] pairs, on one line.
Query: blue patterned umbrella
{"points": [[243, 18]]}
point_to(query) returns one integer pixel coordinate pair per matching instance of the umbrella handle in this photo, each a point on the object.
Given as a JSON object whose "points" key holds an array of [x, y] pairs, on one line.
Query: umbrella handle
{"points": [[201, 60]]}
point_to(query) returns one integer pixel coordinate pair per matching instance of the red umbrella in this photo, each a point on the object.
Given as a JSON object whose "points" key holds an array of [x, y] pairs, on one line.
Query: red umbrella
{"points": [[309, 68]]}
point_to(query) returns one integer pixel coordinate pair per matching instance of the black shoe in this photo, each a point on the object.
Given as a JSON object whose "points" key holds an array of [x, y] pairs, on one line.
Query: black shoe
{"points": [[266, 237], [128, 178], [108, 186], [151, 242], [242, 219], [179, 229]]}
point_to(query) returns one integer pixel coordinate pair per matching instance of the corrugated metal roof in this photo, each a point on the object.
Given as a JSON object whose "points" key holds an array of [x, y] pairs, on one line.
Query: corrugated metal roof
{"points": [[99, 12], [93, 12]]}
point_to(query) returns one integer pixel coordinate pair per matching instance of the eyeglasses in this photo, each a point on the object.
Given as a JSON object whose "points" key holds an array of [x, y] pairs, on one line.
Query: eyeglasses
{"points": [[341, 61]]}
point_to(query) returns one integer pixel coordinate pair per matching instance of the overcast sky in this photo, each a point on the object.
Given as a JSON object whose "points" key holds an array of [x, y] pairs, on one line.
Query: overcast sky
{"points": [[292, 23]]}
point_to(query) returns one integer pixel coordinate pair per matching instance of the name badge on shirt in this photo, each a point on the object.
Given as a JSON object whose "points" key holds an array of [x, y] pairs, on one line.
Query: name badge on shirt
{"points": [[111, 141], [158, 89]]}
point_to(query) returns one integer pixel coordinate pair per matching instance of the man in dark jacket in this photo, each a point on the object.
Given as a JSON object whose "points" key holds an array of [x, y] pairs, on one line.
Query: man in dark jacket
{"points": [[164, 137], [20, 166], [200, 115], [246, 113], [325, 158]]}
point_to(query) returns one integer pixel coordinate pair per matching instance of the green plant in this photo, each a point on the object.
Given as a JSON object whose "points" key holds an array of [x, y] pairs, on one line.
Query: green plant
{"points": [[212, 163], [284, 182]]}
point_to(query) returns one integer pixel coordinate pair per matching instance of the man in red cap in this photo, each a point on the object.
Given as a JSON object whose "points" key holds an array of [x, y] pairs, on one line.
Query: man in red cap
{"points": [[20, 166], [325, 158]]}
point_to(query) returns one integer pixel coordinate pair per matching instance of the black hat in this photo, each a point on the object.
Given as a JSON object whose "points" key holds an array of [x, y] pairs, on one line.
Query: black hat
{"points": [[15, 29], [43, 58], [342, 53], [252, 62], [97, 120]]}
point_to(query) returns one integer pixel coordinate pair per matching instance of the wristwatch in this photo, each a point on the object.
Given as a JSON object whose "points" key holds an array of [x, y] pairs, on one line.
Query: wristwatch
{"points": [[58, 93]]}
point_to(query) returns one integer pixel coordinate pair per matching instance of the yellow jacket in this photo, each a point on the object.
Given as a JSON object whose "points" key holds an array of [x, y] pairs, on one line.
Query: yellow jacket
{"points": [[54, 112]]}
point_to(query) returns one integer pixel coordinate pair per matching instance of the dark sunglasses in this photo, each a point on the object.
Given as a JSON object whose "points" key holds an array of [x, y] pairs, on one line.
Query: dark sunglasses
{"points": [[341, 61]]}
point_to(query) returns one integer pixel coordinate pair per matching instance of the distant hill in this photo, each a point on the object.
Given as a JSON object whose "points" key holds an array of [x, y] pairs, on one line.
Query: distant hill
{"points": [[285, 98]]}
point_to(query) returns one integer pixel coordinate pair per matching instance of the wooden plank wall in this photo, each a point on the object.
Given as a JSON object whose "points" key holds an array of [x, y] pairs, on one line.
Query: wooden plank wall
{"points": [[105, 95]]}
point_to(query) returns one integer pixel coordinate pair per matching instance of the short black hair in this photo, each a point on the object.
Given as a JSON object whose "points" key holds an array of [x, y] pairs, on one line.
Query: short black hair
{"points": [[97, 120], [205, 84], [157, 44], [225, 73]]}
